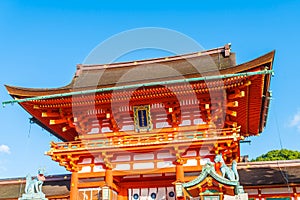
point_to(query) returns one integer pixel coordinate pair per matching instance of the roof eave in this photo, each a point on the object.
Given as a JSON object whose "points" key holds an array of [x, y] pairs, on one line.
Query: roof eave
{"points": [[21, 92]]}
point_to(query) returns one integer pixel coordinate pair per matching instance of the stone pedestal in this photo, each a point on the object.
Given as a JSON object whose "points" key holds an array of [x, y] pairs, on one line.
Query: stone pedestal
{"points": [[243, 196], [33, 196]]}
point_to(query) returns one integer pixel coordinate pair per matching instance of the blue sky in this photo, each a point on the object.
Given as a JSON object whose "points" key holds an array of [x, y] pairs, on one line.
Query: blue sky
{"points": [[42, 41]]}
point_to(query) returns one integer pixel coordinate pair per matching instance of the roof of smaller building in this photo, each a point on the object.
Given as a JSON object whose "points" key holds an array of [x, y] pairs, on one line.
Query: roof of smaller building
{"points": [[54, 186], [252, 174], [269, 173]]}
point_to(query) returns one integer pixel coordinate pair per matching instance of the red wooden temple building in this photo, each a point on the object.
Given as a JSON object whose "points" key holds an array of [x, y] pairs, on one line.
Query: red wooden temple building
{"points": [[151, 129]]}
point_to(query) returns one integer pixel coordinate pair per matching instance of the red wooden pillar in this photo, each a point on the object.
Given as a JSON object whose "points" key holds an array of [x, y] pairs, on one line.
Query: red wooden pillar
{"points": [[74, 186], [259, 194], [180, 173], [123, 194], [109, 177], [295, 193], [109, 180]]}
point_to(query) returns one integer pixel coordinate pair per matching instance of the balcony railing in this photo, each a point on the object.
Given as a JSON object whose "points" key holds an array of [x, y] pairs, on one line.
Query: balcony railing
{"points": [[163, 136]]}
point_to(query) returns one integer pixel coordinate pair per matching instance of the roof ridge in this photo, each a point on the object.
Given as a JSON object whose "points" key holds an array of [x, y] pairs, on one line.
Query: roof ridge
{"points": [[224, 49], [54, 177], [276, 163]]}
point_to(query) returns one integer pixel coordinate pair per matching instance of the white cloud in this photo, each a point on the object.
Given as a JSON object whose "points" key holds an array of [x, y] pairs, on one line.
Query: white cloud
{"points": [[296, 121], [4, 148]]}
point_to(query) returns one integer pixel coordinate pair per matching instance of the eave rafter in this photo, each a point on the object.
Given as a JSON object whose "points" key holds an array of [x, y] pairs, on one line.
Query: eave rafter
{"points": [[59, 117], [172, 108], [141, 94], [58, 112], [229, 150], [69, 161], [82, 122]]}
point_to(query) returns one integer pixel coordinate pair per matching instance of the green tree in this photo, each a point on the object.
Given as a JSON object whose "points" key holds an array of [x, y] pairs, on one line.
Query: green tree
{"points": [[283, 154]]}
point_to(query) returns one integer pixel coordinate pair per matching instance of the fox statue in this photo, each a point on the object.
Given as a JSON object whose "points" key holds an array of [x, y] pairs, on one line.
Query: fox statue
{"points": [[35, 185], [228, 173]]}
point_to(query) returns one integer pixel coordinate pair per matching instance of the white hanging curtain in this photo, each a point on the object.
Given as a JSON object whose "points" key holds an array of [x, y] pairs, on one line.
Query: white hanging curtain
{"points": [[144, 194], [130, 194], [170, 193], [152, 191], [135, 194], [161, 193]]}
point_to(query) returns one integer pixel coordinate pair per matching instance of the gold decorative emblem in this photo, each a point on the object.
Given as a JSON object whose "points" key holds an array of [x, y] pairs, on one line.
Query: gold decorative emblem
{"points": [[209, 181]]}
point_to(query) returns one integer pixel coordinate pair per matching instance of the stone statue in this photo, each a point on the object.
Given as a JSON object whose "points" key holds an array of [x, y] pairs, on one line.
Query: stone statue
{"points": [[228, 173], [33, 187]]}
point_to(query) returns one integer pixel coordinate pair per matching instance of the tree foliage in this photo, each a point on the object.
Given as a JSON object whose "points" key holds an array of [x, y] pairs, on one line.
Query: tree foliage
{"points": [[283, 154]]}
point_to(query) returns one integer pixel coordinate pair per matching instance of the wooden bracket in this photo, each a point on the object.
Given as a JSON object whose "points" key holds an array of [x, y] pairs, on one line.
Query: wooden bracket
{"points": [[237, 94]]}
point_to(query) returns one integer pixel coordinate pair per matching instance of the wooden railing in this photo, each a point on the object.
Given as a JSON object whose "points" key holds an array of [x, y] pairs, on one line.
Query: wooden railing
{"points": [[147, 138]]}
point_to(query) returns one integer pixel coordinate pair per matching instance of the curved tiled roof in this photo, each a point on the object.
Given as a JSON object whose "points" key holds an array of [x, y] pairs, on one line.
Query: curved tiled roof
{"points": [[219, 61], [142, 71]]}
